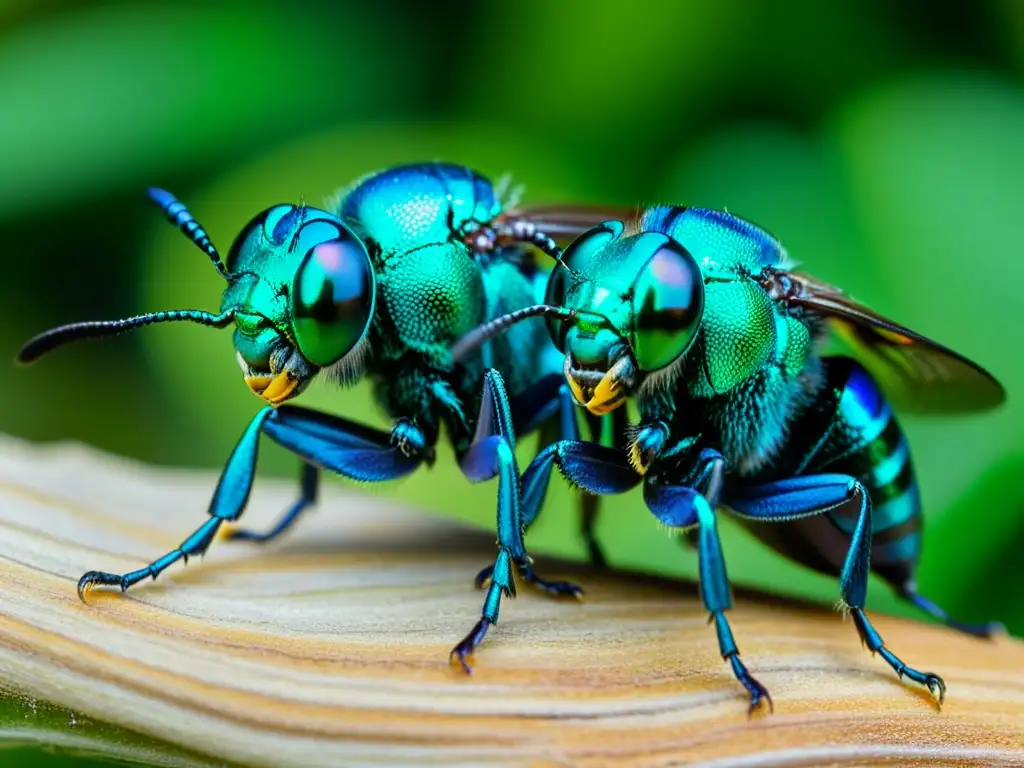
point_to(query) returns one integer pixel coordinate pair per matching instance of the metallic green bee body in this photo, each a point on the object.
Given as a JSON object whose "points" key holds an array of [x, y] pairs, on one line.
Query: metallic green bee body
{"points": [[695, 314], [428, 232], [379, 287], [754, 358]]}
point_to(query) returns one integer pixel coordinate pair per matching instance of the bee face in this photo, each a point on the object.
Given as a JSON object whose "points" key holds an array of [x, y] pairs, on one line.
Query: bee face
{"points": [[303, 289], [637, 302]]}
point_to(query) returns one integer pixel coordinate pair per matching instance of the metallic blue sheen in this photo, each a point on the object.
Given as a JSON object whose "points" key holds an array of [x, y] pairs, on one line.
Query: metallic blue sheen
{"points": [[717, 236], [898, 511], [339, 445], [862, 405]]}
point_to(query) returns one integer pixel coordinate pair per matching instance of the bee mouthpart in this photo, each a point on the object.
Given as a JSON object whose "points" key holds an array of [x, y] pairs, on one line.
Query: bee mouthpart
{"points": [[600, 392], [274, 389], [258, 384]]}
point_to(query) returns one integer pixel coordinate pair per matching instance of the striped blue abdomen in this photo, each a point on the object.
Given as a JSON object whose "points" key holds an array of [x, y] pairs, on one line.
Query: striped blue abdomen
{"points": [[879, 456]]}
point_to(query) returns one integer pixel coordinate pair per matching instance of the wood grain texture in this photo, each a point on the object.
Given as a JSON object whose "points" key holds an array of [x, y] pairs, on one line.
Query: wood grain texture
{"points": [[330, 648]]}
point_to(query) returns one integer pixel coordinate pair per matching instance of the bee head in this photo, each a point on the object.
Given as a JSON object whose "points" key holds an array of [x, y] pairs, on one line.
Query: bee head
{"points": [[635, 304], [300, 292], [302, 289]]}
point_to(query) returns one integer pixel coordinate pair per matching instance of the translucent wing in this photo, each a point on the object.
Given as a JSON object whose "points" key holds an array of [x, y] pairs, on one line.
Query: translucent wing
{"points": [[917, 374], [566, 222]]}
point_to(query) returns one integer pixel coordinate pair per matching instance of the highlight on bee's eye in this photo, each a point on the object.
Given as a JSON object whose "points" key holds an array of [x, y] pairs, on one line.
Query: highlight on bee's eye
{"points": [[668, 302], [332, 299], [277, 222]]}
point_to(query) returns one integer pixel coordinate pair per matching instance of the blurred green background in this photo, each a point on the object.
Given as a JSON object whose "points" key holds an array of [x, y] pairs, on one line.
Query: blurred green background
{"points": [[882, 142]]}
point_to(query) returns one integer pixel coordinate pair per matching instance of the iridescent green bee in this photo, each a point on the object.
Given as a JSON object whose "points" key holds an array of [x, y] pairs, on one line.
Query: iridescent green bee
{"points": [[409, 260], [696, 315]]}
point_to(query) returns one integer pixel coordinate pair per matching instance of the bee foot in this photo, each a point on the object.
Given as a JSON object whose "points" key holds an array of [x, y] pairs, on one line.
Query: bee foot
{"points": [[758, 693], [99, 579], [462, 654], [552, 588]]}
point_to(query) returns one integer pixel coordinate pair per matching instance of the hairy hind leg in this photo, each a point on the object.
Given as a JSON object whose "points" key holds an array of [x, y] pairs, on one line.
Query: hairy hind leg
{"points": [[785, 500], [687, 499], [880, 458]]}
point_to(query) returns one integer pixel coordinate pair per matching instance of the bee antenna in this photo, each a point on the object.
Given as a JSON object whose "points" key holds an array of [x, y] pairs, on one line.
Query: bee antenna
{"points": [[178, 215], [47, 341], [487, 331], [524, 231]]}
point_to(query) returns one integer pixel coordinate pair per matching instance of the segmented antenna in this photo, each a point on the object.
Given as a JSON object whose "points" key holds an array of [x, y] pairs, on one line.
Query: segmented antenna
{"points": [[487, 331], [179, 216], [525, 231], [49, 340]]}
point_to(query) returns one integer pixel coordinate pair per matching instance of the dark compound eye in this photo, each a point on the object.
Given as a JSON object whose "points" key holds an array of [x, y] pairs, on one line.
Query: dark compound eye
{"points": [[576, 259], [558, 286], [332, 299], [668, 302]]}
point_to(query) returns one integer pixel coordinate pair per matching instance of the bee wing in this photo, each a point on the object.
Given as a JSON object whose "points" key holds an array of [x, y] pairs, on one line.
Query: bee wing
{"points": [[916, 373], [566, 222]]}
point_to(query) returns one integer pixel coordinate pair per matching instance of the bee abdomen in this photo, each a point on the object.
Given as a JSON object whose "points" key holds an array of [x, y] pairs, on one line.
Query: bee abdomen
{"points": [[882, 463]]}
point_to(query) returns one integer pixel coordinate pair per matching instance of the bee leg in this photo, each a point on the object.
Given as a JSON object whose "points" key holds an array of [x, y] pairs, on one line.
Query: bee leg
{"points": [[594, 468], [608, 430], [493, 453], [351, 449], [909, 593], [309, 481], [688, 500], [547, 399], [597, 469], [577, 460], [535, 408], [810, 495]]}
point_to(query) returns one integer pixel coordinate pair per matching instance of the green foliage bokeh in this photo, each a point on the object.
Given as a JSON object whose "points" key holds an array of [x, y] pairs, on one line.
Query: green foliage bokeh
{"points": [[883, 143]]}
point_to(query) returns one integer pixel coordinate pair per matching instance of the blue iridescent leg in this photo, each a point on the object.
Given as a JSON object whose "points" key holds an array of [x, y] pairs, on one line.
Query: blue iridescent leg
{"points": [[684, 500], [909, 593], [547, 399], [816, 494], [596, 469], [493, 453], [552, 398], [325, 441], [309, 481]]}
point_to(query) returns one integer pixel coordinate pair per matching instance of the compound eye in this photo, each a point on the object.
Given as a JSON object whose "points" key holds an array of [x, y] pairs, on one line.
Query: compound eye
{"points": [[558, 287], [332, 299], [577, 260], [668, 303]]}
